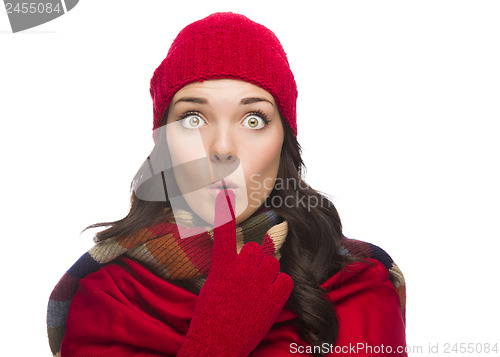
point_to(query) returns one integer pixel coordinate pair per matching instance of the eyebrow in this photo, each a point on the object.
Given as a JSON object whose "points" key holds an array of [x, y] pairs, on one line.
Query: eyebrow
{"points": [[254, 100], [200, 100]]}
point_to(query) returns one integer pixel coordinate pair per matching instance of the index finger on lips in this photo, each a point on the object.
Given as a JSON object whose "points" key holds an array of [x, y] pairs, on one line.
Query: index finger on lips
{"points": [[224, 247]]}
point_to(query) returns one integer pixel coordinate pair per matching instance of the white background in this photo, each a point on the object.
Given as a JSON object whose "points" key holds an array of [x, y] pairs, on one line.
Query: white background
{"points": [[398, 117]]}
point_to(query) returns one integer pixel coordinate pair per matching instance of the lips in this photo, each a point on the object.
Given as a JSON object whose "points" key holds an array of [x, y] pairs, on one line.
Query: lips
{"points": [[218, 186]]}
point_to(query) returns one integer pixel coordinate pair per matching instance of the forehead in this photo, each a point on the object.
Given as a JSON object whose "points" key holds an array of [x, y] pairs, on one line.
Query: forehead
{"points": [[224, 87]]}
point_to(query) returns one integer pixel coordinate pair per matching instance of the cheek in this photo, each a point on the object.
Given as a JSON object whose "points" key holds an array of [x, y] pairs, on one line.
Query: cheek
{"points": [[186, 149], [261, 167]]}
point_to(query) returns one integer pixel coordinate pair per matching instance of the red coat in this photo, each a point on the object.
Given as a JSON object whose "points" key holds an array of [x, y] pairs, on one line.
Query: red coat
{"points": [[118, 313]]}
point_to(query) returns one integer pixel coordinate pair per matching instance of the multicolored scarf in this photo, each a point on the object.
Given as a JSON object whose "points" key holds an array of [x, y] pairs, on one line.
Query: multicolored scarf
{"points": [[160, 249]]}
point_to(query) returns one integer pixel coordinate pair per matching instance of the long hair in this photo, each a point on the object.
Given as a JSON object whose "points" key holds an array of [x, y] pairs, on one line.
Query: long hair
{"points": [[310, 254]]}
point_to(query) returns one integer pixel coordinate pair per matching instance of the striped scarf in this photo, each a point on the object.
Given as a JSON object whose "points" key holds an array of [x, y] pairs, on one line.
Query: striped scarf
{"points": [[160, 249]]}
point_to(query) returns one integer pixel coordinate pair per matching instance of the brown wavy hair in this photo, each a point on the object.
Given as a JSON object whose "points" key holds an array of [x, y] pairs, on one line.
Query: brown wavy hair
{"points": [[310, 254]]}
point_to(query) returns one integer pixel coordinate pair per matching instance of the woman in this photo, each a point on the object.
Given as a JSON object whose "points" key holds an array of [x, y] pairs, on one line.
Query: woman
{"points": [[274, 275]]}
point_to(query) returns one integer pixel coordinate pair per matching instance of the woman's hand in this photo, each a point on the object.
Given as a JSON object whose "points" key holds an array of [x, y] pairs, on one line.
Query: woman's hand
{"points": [[242, 296]]}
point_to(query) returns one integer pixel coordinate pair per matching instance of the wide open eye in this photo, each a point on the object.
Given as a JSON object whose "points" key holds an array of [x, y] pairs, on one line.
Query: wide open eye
{"points": [[192, 121], [256, 120]]}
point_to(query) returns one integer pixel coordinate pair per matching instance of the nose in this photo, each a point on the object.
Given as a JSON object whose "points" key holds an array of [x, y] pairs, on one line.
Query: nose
{"points": [[223, 165], [223, 160], [221, 145]]}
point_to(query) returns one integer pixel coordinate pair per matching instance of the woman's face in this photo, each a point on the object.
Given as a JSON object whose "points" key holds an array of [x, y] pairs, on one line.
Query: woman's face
{"points": [[229, 129]]}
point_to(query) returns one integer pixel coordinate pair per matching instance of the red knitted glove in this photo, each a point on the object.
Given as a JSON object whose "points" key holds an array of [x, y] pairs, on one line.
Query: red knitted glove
{"points": [[242, 296]]}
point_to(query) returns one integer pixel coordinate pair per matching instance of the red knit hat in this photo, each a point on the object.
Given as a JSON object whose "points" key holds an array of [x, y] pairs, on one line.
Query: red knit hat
{"points": [[225, 45]]}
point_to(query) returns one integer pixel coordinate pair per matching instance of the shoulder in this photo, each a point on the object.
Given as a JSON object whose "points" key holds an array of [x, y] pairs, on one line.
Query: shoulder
{"points": [[367, 306], [381, 268]]}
